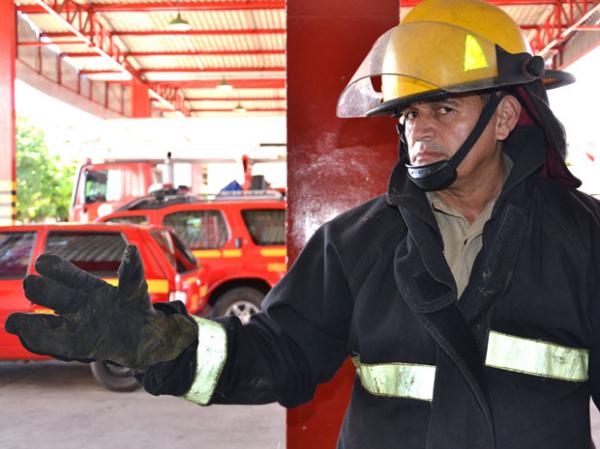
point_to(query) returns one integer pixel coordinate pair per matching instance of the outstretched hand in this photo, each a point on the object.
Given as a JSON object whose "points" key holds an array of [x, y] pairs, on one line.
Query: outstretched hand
{"points": [[97, 321]]}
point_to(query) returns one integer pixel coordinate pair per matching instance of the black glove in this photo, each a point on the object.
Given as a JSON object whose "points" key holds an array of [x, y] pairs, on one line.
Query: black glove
{"points": [[97, 321]]}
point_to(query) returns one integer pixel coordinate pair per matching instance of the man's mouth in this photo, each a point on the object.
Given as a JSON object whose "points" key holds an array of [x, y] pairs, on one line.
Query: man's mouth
{"points": [[425, 157]]}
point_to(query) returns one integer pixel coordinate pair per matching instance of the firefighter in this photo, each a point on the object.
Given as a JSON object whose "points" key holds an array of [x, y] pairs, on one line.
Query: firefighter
{"points": [[467, 296]]}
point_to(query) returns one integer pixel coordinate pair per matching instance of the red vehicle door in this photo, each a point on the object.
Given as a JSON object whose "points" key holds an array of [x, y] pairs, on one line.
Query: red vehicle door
{"points": [[17, 251], [263, 248]]}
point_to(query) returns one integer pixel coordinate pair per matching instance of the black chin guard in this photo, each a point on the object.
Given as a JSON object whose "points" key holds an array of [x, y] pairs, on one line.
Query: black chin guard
{"points": [[441, 174]]}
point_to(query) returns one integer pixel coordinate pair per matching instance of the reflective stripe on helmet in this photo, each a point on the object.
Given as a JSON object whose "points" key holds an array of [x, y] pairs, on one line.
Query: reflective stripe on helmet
{"points": [[402, 380], [211, 356], [539, 358]]}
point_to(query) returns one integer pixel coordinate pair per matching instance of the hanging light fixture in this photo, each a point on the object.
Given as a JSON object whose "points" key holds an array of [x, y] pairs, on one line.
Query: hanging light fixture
{"points": [[179, 23], [224, 86], [239, 107]]}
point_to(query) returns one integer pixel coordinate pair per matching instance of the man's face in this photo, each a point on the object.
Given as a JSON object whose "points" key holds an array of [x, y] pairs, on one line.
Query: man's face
{"points": [[435, 130]]}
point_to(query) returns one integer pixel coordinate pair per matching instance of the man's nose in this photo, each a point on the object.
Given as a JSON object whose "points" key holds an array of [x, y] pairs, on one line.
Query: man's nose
{"points": [[421, 127]]}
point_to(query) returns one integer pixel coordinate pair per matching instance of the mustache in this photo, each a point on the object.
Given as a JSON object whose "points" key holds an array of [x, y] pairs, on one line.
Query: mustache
{"points": [[430, 147]]}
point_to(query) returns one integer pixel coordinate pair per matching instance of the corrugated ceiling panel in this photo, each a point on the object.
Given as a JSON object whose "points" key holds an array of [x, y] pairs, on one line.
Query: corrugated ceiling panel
{"points": [[200, 20], [232, 104], [108, 2], [211, 43], [47, 23], [211, 61], [175, 76], [240, 93]]}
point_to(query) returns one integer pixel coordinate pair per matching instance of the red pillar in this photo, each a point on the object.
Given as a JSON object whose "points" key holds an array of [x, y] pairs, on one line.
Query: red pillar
{"points": [[333, 164], [140, 99], [8, 54]]}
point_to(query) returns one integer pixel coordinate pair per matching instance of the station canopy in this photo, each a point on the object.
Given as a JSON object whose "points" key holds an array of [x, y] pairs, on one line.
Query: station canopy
{"points": [[214, 57]]}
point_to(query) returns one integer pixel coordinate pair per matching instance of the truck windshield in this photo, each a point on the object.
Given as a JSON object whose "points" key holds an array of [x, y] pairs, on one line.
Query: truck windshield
{"points": [[103, 185]]}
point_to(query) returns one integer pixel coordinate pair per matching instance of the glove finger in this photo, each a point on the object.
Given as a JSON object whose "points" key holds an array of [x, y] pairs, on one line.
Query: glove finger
{"points": [[131, 274], [43, 334], [59, 269], [54, 295]]}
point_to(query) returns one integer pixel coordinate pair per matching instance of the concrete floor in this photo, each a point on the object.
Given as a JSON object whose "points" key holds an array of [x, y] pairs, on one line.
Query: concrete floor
{"points": [[54, 405]]}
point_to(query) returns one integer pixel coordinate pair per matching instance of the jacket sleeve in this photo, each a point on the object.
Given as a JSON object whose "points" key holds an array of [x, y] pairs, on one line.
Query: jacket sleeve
{"points": [[297, 342]]}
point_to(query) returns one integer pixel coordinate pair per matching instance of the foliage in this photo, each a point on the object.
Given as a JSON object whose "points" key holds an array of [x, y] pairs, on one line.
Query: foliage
{"points": [[44, 182]]}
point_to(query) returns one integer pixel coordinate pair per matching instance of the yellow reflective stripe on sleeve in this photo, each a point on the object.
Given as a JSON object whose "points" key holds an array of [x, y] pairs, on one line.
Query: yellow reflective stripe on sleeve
{"points": [[539, 358], [207, 253], [203, 290], [154, 285], [273, 252], [211, 356], [401, 380]]}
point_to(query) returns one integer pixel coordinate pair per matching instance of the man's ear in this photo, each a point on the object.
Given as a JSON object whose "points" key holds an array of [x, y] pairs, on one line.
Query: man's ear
{"points": [[508, 113]]}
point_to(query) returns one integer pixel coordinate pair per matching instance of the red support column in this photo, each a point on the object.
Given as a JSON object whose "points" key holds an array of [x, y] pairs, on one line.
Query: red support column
{"points": [[140, 99], [333, 164], [8, 54]]}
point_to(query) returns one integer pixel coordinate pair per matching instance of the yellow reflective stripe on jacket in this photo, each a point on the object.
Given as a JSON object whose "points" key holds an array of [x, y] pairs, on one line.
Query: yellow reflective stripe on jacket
{"points": [[539, 358], [211, 356], [402, 380]]}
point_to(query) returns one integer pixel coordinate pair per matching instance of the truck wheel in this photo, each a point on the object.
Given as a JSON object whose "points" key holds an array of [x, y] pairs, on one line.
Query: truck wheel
{"points": [[240, 301], [114, 377]]}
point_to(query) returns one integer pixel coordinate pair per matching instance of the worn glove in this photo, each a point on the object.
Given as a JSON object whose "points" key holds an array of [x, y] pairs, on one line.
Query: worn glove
{"points": [[97, 321]]}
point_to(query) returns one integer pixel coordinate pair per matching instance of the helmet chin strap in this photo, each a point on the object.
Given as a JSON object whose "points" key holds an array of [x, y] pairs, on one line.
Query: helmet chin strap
{"points": [[441, 174]]}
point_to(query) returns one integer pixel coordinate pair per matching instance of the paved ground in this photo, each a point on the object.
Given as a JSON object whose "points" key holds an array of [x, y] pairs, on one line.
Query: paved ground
{"points": [[53, 405]]}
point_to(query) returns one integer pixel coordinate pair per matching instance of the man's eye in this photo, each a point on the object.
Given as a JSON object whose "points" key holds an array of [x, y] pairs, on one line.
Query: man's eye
{"points": [[443, 110], [409, 115]]}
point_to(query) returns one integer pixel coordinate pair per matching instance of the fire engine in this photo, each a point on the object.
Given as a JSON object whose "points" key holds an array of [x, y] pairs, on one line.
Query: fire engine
{"points": [[103, 187]]}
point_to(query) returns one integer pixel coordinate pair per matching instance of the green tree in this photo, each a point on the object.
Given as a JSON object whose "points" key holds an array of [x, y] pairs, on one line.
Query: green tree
{"points": [[44, 182]]}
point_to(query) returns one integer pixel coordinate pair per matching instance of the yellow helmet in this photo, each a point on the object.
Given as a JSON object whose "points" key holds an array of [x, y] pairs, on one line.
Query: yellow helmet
{"points": [[443, 47]]}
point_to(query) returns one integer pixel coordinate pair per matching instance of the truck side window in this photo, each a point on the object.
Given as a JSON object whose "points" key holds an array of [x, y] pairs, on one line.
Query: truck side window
{"points": [[266, 226], [96, 253], [134, 219], [15, 253], [95, 186], [199, 229]]}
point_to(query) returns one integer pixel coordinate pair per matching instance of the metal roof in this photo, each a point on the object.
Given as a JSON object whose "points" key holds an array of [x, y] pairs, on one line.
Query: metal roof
{"points": [[241, 42]]}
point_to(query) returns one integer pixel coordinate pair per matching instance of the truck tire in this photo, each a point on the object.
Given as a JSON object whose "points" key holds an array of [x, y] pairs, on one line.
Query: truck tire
{"points": [[240, 301], [114, 377]]}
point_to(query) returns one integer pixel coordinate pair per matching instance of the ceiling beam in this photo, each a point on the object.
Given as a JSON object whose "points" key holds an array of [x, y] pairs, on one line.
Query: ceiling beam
{"points": [[144, 54], [84, 26], [208, 69], [412, 3], [143, 33], [171, 5], [235, 99], [248, 83], [233, 110], [568, 16]]}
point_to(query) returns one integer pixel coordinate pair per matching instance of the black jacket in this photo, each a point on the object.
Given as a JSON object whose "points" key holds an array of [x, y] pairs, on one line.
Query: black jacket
{"points": [[373, 283]]}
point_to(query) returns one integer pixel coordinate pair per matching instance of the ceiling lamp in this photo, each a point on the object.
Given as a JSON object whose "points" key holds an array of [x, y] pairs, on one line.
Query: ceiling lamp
{"points": [[224, 86], [179, 23], [239, 108]]}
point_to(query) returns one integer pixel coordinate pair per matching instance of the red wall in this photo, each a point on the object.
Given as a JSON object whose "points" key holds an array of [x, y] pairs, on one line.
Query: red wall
{"points": [[333, 164]]}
